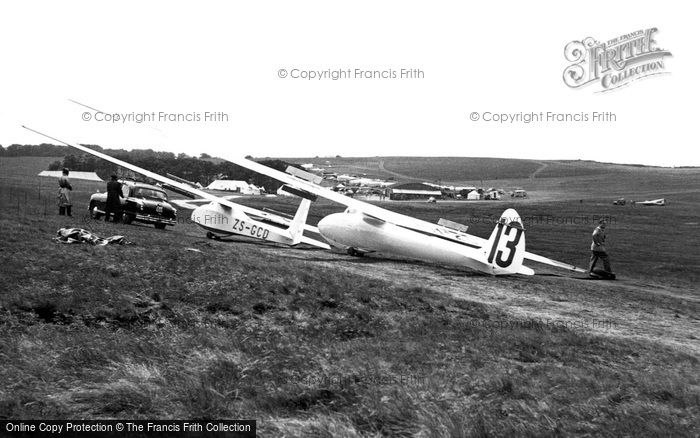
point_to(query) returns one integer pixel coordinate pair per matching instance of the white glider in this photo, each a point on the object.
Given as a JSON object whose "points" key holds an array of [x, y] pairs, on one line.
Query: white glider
{"points": [[364, 227]]}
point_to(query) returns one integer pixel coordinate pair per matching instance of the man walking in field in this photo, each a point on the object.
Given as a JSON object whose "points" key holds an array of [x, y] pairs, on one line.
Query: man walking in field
{"points": [[598, 250]]}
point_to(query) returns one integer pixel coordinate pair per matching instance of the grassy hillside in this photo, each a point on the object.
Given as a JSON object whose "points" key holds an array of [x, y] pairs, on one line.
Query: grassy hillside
{"points": [[314, 343], [461, 169], [473, 170], [152, 330], [21, 168]]}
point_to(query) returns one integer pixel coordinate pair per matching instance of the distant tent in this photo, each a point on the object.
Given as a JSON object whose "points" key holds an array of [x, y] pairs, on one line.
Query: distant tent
{"points": [[473, 195], [234, 186], [88, 176]]}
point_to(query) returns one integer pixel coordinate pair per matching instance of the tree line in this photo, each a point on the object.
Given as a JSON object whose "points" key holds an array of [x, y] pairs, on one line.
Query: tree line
{"points": [[32, 150], [203, 170]]}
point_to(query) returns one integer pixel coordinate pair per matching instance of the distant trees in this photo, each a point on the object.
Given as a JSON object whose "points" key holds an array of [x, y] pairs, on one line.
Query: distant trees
{"points": [[193, 169], [27, 150], [201, 170]]}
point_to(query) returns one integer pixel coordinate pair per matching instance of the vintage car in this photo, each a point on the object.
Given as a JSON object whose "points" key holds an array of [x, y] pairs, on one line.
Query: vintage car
{"points": [[141, 202], [620, 201]]}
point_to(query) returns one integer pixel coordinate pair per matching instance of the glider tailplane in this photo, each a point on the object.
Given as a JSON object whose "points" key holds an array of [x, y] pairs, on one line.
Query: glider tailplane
{"points": [[505, 249]]}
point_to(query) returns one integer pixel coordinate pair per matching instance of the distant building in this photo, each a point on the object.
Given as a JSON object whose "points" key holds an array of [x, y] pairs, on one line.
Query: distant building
{"points": [[520, 193], [410, 191], [492, 195]]}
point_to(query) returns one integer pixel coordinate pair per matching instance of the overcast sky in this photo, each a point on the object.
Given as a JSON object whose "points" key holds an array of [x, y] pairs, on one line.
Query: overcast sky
{"points": [[186, 59]]}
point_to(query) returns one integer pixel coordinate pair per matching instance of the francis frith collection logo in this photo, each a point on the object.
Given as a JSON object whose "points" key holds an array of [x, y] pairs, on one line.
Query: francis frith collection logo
{"points": [[614, 63]]}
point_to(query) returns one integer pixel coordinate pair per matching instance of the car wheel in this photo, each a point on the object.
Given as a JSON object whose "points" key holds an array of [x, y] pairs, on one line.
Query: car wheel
{"points": [[128, 219], [355, 253], [159, 226]]}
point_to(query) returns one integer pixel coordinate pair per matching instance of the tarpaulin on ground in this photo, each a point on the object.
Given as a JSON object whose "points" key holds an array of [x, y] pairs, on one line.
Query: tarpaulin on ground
{"points": [[79, 235]]}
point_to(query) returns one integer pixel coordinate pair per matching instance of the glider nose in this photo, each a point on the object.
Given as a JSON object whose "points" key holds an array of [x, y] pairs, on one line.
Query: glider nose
{"points": [[208, 215], [333, 227], [197, 214]]}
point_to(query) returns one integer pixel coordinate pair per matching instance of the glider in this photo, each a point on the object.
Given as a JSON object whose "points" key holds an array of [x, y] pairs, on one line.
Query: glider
{"points": [[656, 202], [365, 227]]}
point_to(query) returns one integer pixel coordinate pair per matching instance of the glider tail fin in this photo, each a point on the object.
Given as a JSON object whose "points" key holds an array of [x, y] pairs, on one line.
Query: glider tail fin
{"points": [[506, 246], [296, 228]]}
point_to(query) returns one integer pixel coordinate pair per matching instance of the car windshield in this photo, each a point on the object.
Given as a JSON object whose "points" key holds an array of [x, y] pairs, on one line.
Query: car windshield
{"points": [[143, 192]]}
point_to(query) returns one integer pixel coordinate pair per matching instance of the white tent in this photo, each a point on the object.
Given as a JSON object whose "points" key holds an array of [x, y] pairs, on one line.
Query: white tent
{"points": [[234, 186], [473, 195], [88, 176]]}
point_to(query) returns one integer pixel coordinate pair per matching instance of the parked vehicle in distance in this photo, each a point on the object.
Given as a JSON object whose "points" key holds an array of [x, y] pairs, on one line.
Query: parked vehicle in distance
{"points": [[141, 203]]}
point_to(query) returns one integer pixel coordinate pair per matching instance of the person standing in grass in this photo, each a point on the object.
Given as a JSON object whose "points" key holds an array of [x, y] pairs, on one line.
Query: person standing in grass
{"points": [[598, 250], [64, 189], [114, 195]]}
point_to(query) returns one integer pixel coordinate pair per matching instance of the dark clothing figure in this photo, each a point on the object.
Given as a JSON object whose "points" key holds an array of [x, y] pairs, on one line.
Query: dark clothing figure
{"points": [[114, 205], [595, 256], [598, 249]]}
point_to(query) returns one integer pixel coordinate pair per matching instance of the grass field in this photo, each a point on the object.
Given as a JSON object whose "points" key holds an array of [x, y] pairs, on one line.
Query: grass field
{"points": [[315, 343], [470, 171]]}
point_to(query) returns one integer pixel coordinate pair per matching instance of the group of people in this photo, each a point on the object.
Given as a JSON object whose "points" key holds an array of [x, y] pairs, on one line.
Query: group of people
{"points": [[114, 195]]}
